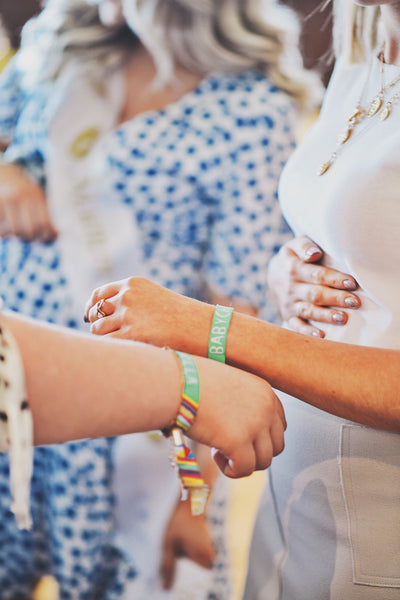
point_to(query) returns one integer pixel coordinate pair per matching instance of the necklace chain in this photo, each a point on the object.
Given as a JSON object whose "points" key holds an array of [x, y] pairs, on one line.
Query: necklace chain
{"points": [[377, 106]]}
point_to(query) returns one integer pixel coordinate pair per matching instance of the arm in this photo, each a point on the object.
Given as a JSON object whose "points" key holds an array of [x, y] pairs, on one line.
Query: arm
{"points": [[79, 386], [309, 292], [23, 207], [352, 382]]}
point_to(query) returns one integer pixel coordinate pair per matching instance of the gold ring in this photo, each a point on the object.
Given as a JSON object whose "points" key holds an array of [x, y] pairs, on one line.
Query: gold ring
{"points": [[99, 309]]}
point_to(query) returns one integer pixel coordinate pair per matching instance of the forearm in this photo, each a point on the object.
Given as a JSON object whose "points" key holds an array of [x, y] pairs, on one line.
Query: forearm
{"points": [[357, 383], [80, 386]]}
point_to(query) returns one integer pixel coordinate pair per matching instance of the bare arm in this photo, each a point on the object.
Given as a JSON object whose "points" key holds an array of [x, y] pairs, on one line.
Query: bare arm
{"points": [[353, 382], [80, 386]]}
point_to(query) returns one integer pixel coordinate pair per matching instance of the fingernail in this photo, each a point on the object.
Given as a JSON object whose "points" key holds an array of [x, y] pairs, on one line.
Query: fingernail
{"points": [[351, 302], [312, 250], [338, 317], [349, 284], [316, 333]]}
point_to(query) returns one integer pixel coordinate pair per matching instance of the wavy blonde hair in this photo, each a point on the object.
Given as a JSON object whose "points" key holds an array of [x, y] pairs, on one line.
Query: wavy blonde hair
{"points": [[357, 30], [201, 35]]}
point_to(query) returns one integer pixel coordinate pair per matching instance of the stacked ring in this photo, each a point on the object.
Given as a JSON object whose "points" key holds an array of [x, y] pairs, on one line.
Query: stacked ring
{"points": [[99, 309]]}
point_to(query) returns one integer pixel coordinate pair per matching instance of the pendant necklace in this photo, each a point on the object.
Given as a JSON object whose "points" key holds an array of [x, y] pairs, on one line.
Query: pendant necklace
{"points": [[377, 106]]}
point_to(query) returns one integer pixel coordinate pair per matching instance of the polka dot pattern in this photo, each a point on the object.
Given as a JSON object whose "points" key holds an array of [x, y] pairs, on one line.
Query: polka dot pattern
{"points": [[200, 181]]}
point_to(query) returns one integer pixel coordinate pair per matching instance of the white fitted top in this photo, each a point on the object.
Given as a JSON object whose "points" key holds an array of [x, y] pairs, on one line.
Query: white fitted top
{"points": [[353, 210], [328, 527]]}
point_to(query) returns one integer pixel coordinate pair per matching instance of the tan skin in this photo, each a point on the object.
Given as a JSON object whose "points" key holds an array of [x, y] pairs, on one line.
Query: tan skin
{"points": [[23, 212], [368, 381], [139, 309], [83, 387]]}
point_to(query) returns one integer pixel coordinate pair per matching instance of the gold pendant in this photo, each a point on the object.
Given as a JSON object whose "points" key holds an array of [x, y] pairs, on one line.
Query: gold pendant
{"points": [[356, 114], [344, 136], [323, 168], [374, 106], [385, 112]]}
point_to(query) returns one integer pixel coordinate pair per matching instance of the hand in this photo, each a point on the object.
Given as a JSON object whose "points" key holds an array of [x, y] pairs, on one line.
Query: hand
{"points": [[138, 309], [23, 208], [185, 536], [305, 291], [239, 414]]}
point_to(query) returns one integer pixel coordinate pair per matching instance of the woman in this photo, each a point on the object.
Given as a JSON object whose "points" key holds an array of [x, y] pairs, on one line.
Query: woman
{"points": [[329, 527], [141, 152]]}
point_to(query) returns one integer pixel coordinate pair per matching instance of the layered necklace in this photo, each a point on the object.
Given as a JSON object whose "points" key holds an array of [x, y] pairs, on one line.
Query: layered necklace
{"points": [[378, 106]]}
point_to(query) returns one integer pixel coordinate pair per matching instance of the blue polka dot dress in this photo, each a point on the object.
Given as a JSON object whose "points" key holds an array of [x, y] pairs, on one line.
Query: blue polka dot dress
{"points": [[198, 180]]}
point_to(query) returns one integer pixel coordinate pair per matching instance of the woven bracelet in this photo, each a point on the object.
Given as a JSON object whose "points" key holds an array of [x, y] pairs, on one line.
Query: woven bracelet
{"points": [[192, 483]]}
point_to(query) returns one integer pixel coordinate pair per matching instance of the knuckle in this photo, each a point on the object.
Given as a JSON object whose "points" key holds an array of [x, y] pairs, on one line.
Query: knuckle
{"points": [[316, 295]]}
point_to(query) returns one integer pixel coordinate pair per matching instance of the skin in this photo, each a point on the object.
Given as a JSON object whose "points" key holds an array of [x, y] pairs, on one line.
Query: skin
{"points": [[307, 291], [24, 213], [139, 309], [118, 399]]}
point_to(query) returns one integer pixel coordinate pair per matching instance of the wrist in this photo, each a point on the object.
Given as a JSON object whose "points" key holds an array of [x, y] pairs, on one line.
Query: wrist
{"points": [[193, 326]]}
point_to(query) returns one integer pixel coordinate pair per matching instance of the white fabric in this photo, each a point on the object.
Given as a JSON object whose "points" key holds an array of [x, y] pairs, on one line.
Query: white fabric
{"points": [[97, 238], [16, 427], [353, 210], [334, 493]]}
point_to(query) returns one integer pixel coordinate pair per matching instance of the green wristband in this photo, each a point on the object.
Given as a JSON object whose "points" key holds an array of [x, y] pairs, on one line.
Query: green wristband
{"points": [[219, 332], [190, 394]]}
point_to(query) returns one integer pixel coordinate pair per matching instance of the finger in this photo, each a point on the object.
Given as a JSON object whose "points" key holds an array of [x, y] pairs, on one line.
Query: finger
{"points": [[277, 433], [302, 326], [264, 452], [44, 229], [29, 218], [240, 463], [326, 296], [305, 248], [101, 309], [319, 274], [105, 291], [311, 312], [168, 566], [12, 218]]}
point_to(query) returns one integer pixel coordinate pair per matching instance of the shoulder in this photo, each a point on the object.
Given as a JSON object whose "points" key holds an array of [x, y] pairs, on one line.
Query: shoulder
{"points": [[245, 103], [247, 91]]}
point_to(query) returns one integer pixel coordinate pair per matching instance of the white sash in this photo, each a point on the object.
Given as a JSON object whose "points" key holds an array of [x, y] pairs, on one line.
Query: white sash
{"points": [[97, 232]]}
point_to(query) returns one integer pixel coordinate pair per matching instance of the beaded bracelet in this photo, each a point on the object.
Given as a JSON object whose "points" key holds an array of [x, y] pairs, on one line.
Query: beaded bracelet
{"points": [[184, 460], [16, 427], [219, 332]]}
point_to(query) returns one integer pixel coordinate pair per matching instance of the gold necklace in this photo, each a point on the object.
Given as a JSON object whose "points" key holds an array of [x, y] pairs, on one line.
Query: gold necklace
{"points": [[377, 106]]}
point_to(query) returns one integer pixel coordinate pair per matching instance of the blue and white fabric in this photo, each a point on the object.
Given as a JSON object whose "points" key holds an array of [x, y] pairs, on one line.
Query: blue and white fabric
{"points": [[198, 181]]}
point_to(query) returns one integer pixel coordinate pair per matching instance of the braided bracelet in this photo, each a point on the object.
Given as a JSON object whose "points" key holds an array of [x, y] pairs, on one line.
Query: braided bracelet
{"points": [[16, 427], [219, 332], [192, 482]]}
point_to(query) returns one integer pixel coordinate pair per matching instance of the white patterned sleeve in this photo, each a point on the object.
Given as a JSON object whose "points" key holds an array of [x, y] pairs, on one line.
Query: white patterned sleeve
{"points": [[16, 427], [249, 228]]}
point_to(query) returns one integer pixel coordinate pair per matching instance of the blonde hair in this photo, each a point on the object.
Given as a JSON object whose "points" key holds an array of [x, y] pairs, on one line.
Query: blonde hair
{"points": [[356, 30], [201, 35]]}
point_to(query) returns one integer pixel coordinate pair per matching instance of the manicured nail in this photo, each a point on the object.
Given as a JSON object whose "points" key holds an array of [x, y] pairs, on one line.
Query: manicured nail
{"points": [[349, 284], [316, 333], [338, 317], [312, 250], [351, 302]]}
